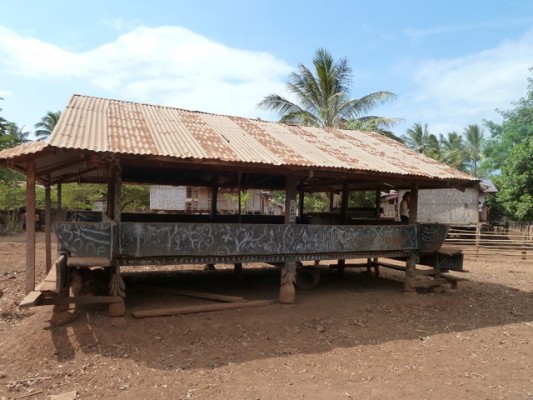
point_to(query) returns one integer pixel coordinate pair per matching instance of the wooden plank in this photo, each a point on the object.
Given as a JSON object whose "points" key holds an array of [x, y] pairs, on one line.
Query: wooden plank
{"points": [[350, 265], [201, 295], [452, 278], [159, 312], [388, 265], [89, 262], [49, 284], [32, 299], [428, 283], [81, 300], [425, 272]]}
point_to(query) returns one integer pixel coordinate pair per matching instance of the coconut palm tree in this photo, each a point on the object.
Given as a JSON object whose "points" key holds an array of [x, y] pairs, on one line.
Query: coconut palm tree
{"points": [[419, 139], [323, 96], [452, 151], [46, 125], [474, 139]]}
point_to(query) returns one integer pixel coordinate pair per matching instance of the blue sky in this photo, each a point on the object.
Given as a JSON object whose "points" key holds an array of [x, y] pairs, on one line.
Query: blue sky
{"points": [[450, 63]]}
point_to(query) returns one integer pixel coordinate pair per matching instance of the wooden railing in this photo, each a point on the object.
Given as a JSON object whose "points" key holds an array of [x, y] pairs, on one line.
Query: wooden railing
{"points": [[510, 242]]}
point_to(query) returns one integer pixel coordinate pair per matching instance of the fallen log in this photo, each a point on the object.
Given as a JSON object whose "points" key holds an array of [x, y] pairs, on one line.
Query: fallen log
{"points": [[160, 312], [201, 295]]}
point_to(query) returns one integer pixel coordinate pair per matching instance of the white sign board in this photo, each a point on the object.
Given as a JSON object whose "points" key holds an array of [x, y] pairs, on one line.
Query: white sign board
{"points": [[168, 197]]}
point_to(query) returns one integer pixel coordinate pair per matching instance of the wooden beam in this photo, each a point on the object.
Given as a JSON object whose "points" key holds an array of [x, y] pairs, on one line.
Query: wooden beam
{"points": [[30, 227], [159, 312], [47, 301]]}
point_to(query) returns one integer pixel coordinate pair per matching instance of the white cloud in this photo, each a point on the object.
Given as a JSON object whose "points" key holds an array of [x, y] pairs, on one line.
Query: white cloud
{"points": [[163, 65], [118, 24], [450, 94]]}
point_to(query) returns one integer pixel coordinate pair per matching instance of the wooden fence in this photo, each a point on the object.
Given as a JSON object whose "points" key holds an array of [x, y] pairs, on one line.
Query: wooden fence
{"points": [[512, 242]]}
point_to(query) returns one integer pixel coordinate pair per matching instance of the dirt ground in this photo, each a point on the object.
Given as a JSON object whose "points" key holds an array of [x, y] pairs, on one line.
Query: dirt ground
{"points": [[355, 337]]}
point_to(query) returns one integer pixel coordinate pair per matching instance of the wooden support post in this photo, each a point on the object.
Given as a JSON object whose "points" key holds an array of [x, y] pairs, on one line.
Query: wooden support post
{"points": [[344, 202], [114, 190], [214, 199], [341, 267], [290, 200], [413, 207], [372, 262], [287, 292], [48, 226], [331, 201], [410, 266], [117, 287], [30, 227], [478, 238], [378, 204], [59, 197], [117, 192], [238, 271], [301, 198]]}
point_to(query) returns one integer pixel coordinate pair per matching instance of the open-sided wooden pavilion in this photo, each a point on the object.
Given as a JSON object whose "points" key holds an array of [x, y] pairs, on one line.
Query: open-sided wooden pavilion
{"points": [[113, 142]]}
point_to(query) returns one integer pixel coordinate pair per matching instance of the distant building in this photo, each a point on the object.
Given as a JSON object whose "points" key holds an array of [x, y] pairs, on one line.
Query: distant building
{"points": [[447, 206], [197, 200]]}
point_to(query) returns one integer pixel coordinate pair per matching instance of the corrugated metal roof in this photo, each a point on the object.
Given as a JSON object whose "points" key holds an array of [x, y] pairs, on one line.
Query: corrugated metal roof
{"points": [[24, 149], [122, 127]]}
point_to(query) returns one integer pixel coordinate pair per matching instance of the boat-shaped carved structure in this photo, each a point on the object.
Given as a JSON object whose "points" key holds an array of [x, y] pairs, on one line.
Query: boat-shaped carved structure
{"points": [[153, 243]]}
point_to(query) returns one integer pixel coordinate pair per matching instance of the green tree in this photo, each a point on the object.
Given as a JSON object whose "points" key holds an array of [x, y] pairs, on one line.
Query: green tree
{"points": [[10, 136], [373, 125], [517, 127], [453, 151], [46, 125], [509, 155], [419, 139], [516, 182], [323, 97], [135, 198], [474, 143]]}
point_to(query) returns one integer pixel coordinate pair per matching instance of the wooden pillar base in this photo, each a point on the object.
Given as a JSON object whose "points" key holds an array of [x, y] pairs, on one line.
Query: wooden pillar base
{"points": [[117, 309], [287, 292], [410, 266], [117, 287]]}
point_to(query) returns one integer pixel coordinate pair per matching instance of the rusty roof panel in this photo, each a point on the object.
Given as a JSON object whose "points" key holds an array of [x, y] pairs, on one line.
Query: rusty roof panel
{"points": [[24, 149], [105, 125]]}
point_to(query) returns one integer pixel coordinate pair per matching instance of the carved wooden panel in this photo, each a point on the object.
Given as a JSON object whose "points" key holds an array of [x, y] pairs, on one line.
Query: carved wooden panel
{"points": [[84, 239], [150, 240]]}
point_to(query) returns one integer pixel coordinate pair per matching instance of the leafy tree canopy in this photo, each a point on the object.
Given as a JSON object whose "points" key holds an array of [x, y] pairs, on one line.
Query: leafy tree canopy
{"points": [[510, 155]]}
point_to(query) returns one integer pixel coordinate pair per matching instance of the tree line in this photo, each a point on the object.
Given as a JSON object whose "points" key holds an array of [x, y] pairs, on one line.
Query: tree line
{"points": [[322, 98]]}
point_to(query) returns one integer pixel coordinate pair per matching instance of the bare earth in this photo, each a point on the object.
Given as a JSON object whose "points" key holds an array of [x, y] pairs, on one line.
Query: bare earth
{"points": [[358, 337]]}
